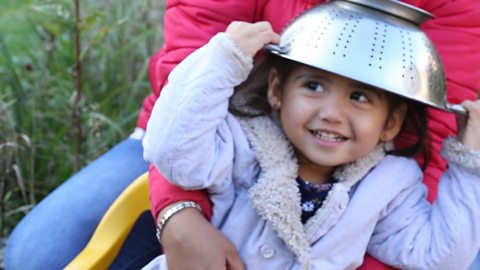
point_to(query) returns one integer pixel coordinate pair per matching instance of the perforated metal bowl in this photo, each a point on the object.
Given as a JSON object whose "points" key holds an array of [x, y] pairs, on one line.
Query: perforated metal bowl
{"points": [[377, 42]]}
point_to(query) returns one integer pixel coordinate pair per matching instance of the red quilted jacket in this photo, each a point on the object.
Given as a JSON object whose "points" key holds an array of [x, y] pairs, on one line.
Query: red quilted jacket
{"points": [[189, 24]]}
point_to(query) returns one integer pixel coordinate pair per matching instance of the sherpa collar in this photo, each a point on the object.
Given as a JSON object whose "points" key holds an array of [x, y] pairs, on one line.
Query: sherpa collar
{"points": [[276, 196]]}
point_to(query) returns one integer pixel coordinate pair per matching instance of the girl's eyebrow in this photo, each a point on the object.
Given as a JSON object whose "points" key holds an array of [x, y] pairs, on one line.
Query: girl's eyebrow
{"points": [[313, 75]]}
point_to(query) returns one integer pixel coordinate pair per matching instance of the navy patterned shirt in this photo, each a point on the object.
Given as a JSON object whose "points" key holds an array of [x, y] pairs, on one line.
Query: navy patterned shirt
{"points": [[313, 196]]}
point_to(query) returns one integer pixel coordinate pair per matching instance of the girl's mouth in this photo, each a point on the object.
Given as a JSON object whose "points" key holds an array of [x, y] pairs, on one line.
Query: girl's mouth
{"points": [[328, 136]]}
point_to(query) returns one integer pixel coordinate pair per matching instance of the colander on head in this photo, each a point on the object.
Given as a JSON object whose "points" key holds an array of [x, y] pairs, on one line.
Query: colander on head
{"points": [[377, 42]]}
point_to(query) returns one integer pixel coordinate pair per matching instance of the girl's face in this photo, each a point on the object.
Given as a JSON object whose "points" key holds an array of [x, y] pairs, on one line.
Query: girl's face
{"points": [[330, 120]]}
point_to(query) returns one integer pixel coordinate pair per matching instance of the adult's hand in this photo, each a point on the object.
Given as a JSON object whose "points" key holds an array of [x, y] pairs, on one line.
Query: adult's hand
{"points": [[191, 242]]}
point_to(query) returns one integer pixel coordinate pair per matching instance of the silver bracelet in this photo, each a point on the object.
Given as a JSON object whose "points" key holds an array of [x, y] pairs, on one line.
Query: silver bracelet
{"points": [[171, 212]]}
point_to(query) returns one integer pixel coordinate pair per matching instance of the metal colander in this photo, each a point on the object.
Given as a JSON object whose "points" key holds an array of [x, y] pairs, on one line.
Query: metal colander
{"points": [[377, 42]]}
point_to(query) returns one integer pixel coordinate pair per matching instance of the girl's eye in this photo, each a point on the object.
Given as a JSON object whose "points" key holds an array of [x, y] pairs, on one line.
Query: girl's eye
{"points": [[359, 97], [315, 86]]}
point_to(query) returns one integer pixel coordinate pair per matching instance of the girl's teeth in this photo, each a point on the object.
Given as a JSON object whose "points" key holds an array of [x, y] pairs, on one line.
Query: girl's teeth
{"points": [[327, 136]]}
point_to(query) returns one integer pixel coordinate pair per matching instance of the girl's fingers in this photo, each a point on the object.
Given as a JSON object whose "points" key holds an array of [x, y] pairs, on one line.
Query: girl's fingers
{"points": [[267, 33], [270, 37], [472, 106], [470, 135], [251, 37], [263, 26]]}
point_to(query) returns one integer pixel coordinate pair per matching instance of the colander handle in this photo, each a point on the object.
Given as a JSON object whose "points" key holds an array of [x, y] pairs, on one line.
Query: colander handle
{"points": [[273, 48], [457, 109]]}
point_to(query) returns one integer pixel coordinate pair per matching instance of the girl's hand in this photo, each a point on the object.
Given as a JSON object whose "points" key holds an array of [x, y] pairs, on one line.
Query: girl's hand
{"points": [[471, 135], [190, 242], [251, 37]]}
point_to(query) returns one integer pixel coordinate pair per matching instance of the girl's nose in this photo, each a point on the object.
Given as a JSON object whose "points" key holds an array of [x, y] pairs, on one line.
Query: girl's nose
{"points": [[332, 108]]}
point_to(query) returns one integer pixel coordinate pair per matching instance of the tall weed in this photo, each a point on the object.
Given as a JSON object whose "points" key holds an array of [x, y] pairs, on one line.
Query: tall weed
{"points": [[38, 89]]}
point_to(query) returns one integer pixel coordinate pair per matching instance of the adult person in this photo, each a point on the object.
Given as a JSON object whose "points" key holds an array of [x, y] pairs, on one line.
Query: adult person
{"points": [[189, 24]]}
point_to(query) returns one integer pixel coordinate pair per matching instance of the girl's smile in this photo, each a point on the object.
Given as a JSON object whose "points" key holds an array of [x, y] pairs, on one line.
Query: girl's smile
{"points": [[327, 138], [330, 120]]}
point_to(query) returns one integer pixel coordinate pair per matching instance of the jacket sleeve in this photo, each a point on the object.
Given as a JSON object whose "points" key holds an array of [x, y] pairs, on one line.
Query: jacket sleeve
{"points": [[188, 25], [190, 136], [171, 194], [413, 234]]}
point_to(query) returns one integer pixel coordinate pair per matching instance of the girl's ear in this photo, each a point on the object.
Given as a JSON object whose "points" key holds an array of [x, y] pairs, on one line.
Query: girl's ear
{"points": [[274, 94], [394, 123]]}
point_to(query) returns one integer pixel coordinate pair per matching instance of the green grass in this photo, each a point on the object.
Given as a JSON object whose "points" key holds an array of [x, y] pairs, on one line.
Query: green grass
{"points": [[38, 136]]}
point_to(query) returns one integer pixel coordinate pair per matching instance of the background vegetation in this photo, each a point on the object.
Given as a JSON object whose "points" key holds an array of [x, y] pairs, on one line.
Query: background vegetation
{"points": [[52, 124]]}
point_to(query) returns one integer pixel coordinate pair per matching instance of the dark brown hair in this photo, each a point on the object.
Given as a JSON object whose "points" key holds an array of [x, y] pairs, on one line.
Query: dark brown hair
{"points": [[250, 97]]}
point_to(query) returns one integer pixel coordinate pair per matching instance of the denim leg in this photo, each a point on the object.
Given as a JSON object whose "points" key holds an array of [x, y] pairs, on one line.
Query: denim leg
{"points": [[476, 263], [140, 247], [59, 227]]}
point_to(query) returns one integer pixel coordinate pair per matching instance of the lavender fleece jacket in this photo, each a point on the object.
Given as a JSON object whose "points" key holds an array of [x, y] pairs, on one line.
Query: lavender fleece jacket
{"points": [[249, 168]]}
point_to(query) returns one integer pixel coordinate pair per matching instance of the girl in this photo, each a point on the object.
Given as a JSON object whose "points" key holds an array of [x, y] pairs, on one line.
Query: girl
{"points": [[320, 133], [455, 31]]}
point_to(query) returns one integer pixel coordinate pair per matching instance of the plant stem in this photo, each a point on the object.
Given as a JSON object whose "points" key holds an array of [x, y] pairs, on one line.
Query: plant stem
{"points": [[77, 116]]}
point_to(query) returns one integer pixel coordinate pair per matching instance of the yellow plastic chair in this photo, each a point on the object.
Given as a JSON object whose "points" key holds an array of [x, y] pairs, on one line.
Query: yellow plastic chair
{"points": [[114, 227]]}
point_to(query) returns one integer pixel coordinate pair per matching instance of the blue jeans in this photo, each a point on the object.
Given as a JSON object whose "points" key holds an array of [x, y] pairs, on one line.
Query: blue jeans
{"points": [[476, 263], [59, 227]]}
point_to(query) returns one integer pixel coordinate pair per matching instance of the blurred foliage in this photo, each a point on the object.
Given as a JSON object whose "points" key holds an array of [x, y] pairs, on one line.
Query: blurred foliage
{"points": [[38, 89]]}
